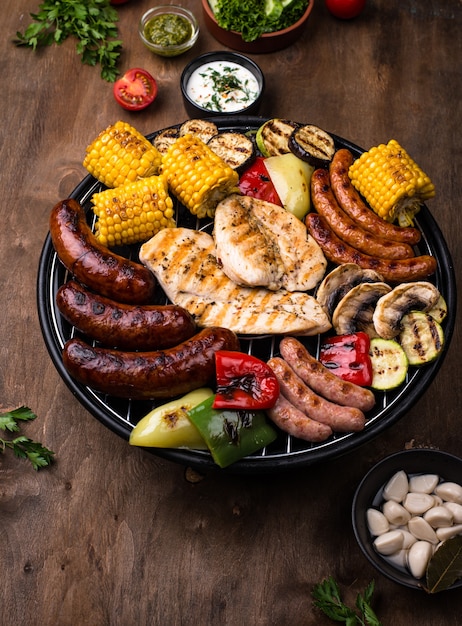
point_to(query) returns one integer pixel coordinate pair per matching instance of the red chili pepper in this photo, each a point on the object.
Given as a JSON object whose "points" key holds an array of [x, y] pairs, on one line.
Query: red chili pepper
{"points": [[244, 382], [347, 356], [256, 182]]}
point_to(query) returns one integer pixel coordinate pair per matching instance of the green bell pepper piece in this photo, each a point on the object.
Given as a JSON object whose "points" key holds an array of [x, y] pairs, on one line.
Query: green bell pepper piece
{"points": [[230, 434]]}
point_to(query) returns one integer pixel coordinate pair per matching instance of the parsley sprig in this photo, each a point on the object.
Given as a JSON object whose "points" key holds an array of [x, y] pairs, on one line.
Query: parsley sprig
{"points": [[22, 446], [91, 22], [327, 597]]}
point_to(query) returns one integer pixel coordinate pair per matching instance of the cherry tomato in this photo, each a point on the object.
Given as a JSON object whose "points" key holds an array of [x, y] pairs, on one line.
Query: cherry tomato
{"points": [[135, 90], [345, 9], [115, 2]]}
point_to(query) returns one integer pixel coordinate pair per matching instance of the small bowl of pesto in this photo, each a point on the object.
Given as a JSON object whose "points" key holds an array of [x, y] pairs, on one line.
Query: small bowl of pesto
{"points": [[222, 83], [168, 30]]}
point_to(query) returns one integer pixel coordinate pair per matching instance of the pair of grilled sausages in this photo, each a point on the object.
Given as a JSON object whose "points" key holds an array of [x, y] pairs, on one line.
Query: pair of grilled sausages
{"points": [[160, 352], [314, 402], [348, 231]]}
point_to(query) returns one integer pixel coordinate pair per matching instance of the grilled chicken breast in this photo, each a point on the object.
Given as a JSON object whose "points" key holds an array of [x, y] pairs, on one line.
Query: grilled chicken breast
{"points": [[260, 244], [185, 264]]}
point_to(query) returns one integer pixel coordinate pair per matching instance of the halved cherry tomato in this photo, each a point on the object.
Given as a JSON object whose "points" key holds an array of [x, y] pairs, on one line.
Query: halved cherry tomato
{"points": [[135, 90], [345, 9], [256, 182], [119, 2], [244, 382]]}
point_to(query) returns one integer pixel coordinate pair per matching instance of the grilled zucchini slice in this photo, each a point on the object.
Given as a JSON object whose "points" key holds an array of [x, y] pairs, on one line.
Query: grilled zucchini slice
{"points": [[273, 136], [234, 148], [389, 363], [312, 144], [421, 337]]}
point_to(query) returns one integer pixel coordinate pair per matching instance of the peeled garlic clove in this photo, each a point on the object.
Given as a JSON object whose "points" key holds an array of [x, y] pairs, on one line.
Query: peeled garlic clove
{"points": [[418, 557], [450, 492], [396, 513], [444, 534], [423, 483], [377, 522], [408, 539], [397, 487], [456, 511], [389, 542], [438, 516], [422, 530], [418, 503], [398, 559]]}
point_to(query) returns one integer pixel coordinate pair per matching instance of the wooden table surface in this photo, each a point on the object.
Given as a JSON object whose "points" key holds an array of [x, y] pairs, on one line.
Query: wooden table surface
{"points": [[114, 535]]}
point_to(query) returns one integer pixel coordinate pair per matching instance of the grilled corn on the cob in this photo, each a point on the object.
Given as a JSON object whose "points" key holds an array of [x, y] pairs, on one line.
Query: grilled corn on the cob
{"points": [[121, 154], [197, 176], [391, 182], [133, 212]]}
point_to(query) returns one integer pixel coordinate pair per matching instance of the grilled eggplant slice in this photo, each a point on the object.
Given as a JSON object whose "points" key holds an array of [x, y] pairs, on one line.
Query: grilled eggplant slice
{"points": [[312, 144], [273, 136], [203, 129], [234, 148], [166, 138], [421, 337]]}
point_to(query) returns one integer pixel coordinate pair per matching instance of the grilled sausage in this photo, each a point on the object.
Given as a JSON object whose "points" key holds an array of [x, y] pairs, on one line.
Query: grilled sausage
{"points": [[347, 229], [338, 418], [294, 422], [93, 264], [321, 380], [337, 251], [124, 326], [145, 375], [351, 202]]}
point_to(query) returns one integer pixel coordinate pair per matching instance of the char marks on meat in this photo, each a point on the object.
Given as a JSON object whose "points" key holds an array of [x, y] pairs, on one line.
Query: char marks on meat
{"points": [[185, 264], [260, 244]]}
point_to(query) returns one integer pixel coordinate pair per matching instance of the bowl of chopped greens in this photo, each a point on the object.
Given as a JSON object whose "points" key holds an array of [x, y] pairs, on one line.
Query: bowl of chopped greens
{"points": [[254, 26]]}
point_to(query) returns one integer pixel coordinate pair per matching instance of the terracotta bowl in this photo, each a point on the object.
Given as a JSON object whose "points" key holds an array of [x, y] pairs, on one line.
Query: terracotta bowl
{"points": [[269, 42]]}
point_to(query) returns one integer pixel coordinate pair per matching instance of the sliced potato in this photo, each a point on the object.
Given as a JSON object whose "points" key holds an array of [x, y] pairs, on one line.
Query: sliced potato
{"points": [[291, 177], [389, 363], [168, 425]]}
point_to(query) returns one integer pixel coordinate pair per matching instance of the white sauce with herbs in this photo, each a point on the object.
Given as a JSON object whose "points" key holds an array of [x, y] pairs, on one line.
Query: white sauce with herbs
{"points": [[222, 86]]}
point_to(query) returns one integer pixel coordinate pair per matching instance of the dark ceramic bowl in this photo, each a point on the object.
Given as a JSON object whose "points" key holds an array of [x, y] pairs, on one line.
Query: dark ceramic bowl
{"points": [[196, 110], [369, 494], [269, 42]]}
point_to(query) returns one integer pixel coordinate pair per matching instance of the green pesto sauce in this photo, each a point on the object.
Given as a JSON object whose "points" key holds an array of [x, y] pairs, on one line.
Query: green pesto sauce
{"points": [[168, 30]]}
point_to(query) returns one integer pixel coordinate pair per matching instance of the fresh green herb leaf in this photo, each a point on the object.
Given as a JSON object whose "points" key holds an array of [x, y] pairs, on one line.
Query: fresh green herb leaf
{"points": [[22, 446], [92, 23], [327, 597], [253, 18]]}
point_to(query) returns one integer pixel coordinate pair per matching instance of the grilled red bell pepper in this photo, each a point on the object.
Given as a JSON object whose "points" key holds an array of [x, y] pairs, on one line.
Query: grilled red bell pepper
{"points": [[256, 182], [244, 382], [347, 356]]}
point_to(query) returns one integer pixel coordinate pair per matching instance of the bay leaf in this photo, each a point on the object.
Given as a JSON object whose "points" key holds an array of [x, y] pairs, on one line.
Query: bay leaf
{"points": [[445, 566]]}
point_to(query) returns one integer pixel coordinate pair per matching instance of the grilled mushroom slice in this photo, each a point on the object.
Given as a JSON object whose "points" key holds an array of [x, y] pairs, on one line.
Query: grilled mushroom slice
{"points": [[234, 148], [355, 310], [406, 297], [339, 282]]}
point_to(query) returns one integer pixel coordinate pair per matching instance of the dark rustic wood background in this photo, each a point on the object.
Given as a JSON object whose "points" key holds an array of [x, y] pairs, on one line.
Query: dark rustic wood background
{"points": [[114, 535]]}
